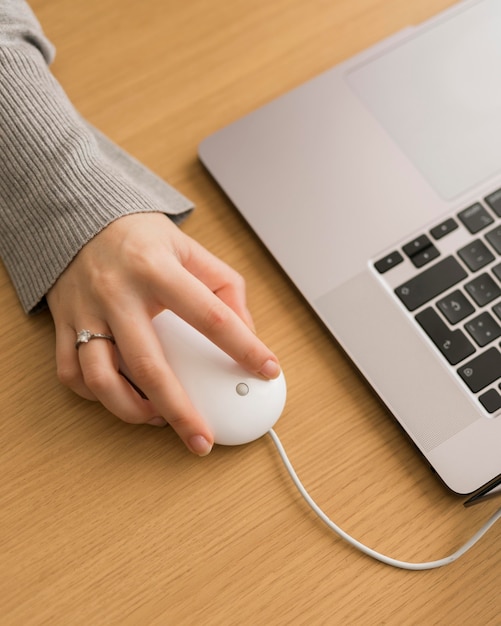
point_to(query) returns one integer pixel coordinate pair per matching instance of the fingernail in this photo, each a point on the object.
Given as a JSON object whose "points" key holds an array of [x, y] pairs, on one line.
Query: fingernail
{"points": [[199, 445], [157, 421], [270, 369]]}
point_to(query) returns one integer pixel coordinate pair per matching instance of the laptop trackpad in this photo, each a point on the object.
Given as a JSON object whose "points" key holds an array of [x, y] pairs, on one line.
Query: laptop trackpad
{"points": [[439, 97]]}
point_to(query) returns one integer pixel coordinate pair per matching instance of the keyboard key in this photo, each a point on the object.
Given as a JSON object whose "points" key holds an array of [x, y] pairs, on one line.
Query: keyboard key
{"points": [[491, 400], [443, 229], [455, 306], [453, 344], [425, 256], [482, 370], [483, 329], [421, 251], [476, 255], [430, 283], [497, 271], [497, 309], [475, 217], [389, 261], [483, 289], [494, 201], [416, 245], [494, 238]]}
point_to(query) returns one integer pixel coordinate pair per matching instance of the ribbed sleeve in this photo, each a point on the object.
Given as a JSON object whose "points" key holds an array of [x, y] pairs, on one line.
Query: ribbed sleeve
{"points": [[61, 181]]}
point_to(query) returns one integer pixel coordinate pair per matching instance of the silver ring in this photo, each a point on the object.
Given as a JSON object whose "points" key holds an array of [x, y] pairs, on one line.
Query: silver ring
{"points": [[84, 336]]}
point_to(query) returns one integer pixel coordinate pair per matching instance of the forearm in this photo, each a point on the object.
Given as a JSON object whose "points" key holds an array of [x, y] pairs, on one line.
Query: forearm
{"points": [[61, 181]]}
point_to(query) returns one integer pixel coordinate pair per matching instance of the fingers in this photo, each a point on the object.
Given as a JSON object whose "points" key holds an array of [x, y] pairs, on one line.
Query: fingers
{"points": [[93, 374], [210, 296], [100, 375], [226, 329], [145, 361], [68, 366], [92, 371], [227, 284]]}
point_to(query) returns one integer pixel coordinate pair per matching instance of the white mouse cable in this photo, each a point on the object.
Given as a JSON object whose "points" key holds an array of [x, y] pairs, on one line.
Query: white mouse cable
{"points": [[362, 547]]}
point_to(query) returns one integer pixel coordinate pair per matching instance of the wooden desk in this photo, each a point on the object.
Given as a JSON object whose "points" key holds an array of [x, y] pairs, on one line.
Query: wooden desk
{"points": [[106, 523]]}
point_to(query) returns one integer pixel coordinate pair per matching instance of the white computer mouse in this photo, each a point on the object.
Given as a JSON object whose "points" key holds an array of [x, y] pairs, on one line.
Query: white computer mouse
{"points": [[238, 406]]}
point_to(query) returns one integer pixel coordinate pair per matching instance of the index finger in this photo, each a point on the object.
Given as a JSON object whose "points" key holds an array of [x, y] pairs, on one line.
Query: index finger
{"points": [[193, 301]]}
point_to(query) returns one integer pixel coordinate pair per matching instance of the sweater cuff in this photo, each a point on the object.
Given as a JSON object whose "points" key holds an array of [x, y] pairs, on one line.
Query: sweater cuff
{"points": [[62, 181]]}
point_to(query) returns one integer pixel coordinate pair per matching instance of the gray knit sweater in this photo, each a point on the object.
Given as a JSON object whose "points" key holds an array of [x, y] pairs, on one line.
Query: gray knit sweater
{"points": [[61, 181]]}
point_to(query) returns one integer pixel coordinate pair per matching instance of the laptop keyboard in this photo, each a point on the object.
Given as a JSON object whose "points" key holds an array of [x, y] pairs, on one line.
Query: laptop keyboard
{"points": [[449, 280]]}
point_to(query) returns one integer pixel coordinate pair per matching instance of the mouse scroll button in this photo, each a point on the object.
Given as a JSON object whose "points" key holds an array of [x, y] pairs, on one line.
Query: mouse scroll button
{"points": [[242, 389]]}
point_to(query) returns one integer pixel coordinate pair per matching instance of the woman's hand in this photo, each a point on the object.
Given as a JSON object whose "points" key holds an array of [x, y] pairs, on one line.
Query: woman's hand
{"points": [[136, 267]]}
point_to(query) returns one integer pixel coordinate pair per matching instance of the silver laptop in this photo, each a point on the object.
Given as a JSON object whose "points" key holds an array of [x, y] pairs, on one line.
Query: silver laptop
{"points": [[377, 188]]}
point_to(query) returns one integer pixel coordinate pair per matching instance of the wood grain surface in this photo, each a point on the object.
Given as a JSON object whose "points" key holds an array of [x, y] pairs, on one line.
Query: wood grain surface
{"points": [[107, 523]]}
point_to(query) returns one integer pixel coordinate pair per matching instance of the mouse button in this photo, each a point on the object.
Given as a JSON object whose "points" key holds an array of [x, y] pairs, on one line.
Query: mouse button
{"points": [[242, 389]]}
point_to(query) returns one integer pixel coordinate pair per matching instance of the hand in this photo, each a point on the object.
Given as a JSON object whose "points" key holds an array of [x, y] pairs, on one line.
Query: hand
{"points": [[136, 267]]}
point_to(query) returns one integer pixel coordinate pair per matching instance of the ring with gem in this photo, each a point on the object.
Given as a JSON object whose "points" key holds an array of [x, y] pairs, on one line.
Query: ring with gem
{"points": [[84, 336]]}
